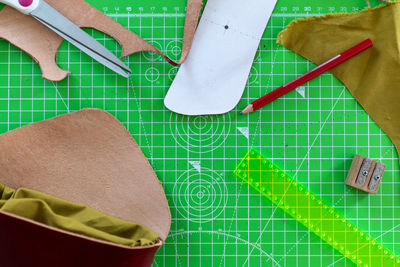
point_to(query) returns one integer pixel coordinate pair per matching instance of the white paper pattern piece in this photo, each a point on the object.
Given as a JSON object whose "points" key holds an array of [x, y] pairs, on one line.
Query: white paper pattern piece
{"points": [[214, 76]]}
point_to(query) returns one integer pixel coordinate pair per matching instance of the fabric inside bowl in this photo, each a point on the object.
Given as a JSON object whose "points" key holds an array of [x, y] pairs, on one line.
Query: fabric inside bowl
{"points": [[73, 217]]}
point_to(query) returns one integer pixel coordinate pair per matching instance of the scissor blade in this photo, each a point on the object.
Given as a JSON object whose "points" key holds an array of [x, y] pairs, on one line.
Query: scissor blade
{"points": [[76, 36]]}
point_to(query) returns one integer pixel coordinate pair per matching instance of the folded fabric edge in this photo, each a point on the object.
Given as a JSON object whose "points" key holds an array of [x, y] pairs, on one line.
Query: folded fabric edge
{"points": [[92, 239]]}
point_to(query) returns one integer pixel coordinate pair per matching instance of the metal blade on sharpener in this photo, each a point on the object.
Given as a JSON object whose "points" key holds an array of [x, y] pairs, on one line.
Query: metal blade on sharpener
{"points": [[76, 36]]}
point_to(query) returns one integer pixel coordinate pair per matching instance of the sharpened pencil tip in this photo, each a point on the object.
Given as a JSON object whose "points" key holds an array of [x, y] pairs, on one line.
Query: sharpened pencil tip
{"points": [[248, 109]]}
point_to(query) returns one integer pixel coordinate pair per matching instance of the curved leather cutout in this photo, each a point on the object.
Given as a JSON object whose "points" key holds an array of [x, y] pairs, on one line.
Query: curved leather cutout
{"points": [[41, 43]]}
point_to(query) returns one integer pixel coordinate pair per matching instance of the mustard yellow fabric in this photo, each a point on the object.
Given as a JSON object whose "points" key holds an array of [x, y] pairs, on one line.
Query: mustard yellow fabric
{"points": [[73, 217], [373, 77]]}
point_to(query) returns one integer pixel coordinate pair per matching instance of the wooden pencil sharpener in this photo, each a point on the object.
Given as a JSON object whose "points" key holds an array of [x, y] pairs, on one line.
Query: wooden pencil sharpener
{"points": [[365, 174]]}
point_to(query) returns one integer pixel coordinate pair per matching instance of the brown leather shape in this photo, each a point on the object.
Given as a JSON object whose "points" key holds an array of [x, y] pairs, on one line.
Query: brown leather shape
{"points": [[87, 157], [41, 43]]}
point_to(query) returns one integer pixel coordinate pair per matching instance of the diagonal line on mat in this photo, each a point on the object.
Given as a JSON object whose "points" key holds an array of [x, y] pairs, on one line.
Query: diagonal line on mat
{"points": [[241, 186], [230, 226], [268, 82], [388, 231], [59, 94], [294, 245], [297, 170], [176, 249], [141, 121]]}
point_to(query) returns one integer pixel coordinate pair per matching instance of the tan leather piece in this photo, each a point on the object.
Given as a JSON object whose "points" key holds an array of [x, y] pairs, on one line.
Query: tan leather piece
{"points": [[33, 38], [42, 43], [87, 157]]}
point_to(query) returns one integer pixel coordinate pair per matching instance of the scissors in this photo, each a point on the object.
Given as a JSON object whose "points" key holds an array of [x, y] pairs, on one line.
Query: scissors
{"points": [[51, 18]]}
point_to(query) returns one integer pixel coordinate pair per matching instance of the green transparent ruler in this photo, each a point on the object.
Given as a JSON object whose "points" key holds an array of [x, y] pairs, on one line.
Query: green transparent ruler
{"points": [[313, 213]]}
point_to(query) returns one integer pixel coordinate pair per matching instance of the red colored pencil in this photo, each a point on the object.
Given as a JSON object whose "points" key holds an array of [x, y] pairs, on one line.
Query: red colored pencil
{"points": [[324, 67]]}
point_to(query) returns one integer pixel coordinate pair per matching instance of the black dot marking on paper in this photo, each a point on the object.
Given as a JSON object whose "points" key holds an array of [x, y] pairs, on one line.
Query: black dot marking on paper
{"points": [[226, 27]]}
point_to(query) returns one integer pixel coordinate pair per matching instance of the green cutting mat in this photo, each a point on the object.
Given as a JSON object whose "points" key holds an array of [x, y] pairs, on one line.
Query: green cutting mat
{"points": [[217, 220]]}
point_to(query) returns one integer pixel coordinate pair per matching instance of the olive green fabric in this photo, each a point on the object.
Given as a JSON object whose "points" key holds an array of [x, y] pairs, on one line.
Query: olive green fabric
{"points": [[73, 217], [373, 77]]}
